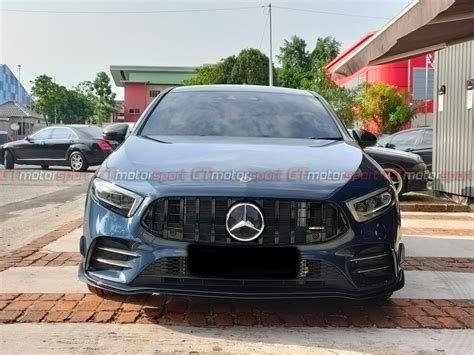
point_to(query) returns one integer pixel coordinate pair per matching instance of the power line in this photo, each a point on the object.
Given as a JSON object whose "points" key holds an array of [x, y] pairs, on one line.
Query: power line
{"points": [[263, 33], [329, 13], [132, 12]]}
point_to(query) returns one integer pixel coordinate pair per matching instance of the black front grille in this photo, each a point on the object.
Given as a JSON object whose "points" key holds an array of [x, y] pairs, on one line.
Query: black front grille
{"points": [[202, 220], [175, 270]]}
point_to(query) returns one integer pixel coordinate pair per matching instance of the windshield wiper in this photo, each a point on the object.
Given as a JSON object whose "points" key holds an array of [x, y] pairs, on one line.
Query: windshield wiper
{"points": [[326, 138]]}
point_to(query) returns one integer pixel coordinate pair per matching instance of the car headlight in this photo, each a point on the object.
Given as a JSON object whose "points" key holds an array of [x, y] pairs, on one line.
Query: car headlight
{"points": [[371, 205], [116, 198]]}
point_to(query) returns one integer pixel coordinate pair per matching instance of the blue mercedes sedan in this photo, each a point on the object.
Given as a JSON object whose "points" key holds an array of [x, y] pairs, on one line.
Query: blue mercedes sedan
{"points": [[245, 192]]}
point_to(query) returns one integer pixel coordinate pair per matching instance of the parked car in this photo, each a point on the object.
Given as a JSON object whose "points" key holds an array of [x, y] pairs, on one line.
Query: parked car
{"points": [[407, 171], [415, 140], [231, 225], [77, 146]]}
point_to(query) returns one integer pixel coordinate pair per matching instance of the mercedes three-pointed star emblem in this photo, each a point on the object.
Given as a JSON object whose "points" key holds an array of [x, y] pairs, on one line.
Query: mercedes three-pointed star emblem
{"points": [[244, 222]]}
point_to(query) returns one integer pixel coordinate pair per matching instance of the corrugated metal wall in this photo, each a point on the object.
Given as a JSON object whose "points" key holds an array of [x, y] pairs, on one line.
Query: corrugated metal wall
{"points": [[453, 127]]}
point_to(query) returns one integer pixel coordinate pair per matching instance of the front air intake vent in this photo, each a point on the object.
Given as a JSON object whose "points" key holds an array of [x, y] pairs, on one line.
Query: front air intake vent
{"points": [[111, 254]]}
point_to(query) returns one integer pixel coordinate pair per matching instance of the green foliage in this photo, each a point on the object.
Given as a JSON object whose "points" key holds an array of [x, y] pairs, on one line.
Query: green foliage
{"points": [[105, 103], [326, 49], [46, 93], [56, 103], [385, 105], [295, 63], [249, 67], [88, 101]]}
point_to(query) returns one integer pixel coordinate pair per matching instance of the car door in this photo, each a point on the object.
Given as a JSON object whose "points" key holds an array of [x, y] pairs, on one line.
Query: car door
{"points": [[33, 147], [61, 139]]}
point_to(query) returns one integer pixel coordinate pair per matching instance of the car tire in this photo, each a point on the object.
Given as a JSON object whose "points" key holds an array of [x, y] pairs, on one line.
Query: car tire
{"points": [[396, 176], [44, 166], [8, 160], [78, 162], [99, 292]]}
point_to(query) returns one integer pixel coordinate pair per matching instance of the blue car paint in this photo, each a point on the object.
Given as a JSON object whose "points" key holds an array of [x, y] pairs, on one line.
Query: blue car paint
{"points": [[240, 154]]}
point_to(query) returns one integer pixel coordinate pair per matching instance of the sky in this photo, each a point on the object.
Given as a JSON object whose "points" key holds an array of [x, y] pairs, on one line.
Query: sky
{"points": [[73, 47]]}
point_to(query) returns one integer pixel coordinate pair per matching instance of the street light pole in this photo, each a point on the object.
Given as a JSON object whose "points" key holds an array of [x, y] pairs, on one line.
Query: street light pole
{"points": [[270, 60], [18, 84]]}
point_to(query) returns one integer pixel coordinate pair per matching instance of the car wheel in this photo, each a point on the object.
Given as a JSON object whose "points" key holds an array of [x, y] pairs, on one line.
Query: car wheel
{"points": [[44, 166], [77, 161], [8, 160], [396, 178]]}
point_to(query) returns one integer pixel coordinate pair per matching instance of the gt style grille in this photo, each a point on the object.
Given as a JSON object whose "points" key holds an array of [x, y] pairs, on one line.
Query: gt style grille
{"points": [[202, 220]]}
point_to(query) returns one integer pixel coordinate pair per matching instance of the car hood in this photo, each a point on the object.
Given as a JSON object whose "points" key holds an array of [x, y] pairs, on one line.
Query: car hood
{"points": [[235, 167]]}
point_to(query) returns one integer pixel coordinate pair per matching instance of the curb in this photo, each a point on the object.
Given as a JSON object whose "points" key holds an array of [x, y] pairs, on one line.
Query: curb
{"points": [[433, 207]]}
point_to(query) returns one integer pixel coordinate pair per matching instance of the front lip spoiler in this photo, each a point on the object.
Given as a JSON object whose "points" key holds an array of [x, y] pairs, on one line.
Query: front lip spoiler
{"points": [[397, 285]]}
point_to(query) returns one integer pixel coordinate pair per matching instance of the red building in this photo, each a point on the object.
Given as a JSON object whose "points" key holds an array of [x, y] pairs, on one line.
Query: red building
{"points": [[411, 75], [143, 83]]}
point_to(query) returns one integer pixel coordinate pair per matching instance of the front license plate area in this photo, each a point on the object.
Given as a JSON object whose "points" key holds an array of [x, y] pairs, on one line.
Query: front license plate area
{"points": [[243, 262]]}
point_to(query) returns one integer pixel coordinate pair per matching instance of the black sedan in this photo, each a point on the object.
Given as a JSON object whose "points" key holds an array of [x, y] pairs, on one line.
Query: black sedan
{"points": [[415, 140], [407, 171], [77, 146]]}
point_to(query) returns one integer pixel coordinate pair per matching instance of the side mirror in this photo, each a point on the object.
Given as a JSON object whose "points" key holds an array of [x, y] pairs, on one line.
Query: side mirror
{"points": [[364, 138], [115, 132], [390, 145], [28, 138]]}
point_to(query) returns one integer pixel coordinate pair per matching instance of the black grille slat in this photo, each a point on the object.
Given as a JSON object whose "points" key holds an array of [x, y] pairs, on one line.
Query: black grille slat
{"points": [[202, 220]]}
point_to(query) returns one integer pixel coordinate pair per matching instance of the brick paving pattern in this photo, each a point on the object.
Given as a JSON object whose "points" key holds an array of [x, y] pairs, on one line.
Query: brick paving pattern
{"points": [[203, 312], [25, 253]]}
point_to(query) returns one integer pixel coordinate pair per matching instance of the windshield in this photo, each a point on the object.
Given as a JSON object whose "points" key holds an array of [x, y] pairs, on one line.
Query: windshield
{"points": [[241, 114]]}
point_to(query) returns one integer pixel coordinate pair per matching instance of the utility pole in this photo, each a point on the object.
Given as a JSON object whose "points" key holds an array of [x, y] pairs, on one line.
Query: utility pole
{"points": [[18, 84], [270, 60]]}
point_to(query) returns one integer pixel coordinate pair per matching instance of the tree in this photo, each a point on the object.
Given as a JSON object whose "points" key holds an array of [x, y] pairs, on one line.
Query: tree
{"points": [[326, 49], [386, 106], [48, 96], [105, 103], [58, 104], [295, 63], [250, 67]]}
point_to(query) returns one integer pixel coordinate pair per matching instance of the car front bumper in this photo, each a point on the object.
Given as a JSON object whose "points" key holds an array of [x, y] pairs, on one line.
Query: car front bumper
{"points": [[330, 269]]}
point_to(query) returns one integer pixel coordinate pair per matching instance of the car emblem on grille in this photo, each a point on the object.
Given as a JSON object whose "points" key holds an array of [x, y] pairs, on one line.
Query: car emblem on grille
{"points": [[244, 222], [245, 179]]}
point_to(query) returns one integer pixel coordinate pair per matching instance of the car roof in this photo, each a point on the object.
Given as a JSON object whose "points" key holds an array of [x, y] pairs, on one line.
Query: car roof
{"points": [[242, 88]]}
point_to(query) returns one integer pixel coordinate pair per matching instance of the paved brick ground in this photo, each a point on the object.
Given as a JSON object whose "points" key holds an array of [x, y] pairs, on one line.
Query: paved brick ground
{"points": [[19, 255], [195, 311]]}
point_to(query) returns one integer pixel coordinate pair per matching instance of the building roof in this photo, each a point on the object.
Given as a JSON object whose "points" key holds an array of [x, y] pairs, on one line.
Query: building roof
{"points": [[422, 27], [12, 109], [150, 74]]}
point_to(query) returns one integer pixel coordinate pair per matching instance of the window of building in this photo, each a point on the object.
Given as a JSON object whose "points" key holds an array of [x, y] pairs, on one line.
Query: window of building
{"points": [[154, 93], [420, 90], [134, 110]]}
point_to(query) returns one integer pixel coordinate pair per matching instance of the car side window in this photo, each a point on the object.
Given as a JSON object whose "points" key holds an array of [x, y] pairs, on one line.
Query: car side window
{"points": [[42, 134], [62, 133], [428, 137], [408, 138]]}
